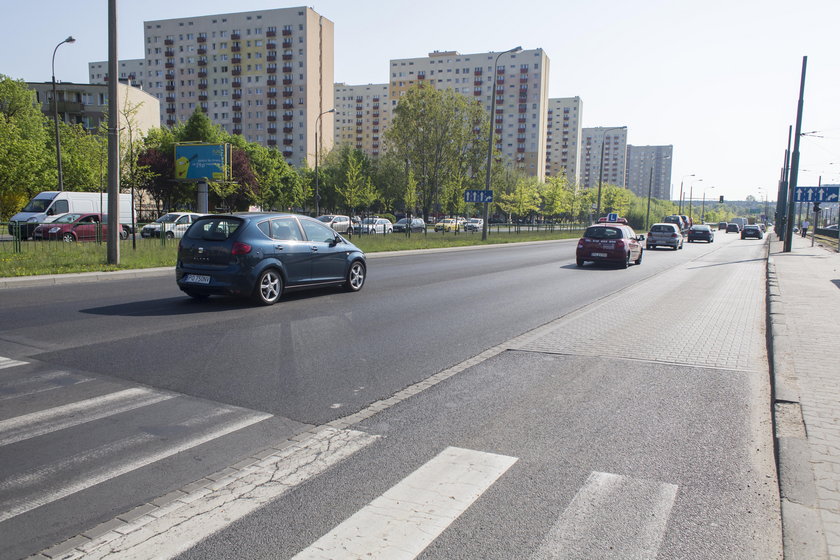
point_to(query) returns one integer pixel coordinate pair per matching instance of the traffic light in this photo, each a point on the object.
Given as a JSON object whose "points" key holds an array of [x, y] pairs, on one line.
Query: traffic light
{"points": [[816, 207], [721, 199]]}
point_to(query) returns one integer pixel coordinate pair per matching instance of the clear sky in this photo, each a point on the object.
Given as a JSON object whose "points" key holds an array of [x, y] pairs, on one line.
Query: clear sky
{"points": [[717, 79]]}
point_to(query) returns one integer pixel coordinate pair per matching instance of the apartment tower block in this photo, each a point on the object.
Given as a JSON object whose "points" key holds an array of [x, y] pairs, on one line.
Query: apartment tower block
{"points": [[565, 115]]}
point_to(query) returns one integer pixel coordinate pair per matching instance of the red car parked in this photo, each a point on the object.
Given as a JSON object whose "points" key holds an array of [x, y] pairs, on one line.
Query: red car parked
{"points": [[610, 242], [75, 227]]}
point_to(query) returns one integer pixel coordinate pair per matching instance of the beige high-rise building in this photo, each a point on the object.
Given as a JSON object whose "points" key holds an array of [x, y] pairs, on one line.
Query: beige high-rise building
{"points": [[362, 114], [520, 86], [131, 71], [267, 75], [565, 115], [649, 170], [615, 156]]}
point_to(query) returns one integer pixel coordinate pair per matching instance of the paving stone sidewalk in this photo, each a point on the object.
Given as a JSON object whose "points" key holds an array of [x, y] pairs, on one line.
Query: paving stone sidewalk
{"points": [[807, 355]]}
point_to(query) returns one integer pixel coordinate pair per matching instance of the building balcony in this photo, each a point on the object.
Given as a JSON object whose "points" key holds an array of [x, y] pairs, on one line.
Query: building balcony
{"points": [[523, 109], [202, 97], [235, 48], [169, 65], [235, 36], [170, 110], [272, 118], [202, 73], [170, 99], [237, 95], [288, 105], [288, 129], [202, 62], [477, 83], [236, 59], [287, 33], [375, 114], [236, 120], [523, 70], [287, 81], [169, 53], [500, 71], [477, 72], [237, 130], [271, 70], [272, 130], [523, 80], [499, 111], [271, 33], [500, 81], [271, 58], [202, 86], [236, 72], [287, 44], [236, 83], [287, 57], [287, 94], [169, 75], [477, 92], [272, 81], [287, 141], [271, 94], [272, 142], [500, 91], [271, 45], [287, 69], [288, 153], [201, 39], [522, 119], [287, 118], [500, 120], [499, 130], [376, 123], [272, 105], [170, 122], [170, 88]]}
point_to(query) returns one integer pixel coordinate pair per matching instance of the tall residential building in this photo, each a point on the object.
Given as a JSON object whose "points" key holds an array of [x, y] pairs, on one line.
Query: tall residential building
{"points": [[615, 150], [520, 86], [267, 75], [131, 70], [565, 115], [649, 168], [87, 104], [362, 114]]}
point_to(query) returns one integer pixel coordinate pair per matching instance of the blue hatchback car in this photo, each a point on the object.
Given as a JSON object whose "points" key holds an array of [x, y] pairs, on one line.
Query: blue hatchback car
{"points": [[263, 254]]}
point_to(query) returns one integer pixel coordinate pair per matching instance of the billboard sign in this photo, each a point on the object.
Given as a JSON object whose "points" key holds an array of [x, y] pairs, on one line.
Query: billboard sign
{"points": [[201, 162]]}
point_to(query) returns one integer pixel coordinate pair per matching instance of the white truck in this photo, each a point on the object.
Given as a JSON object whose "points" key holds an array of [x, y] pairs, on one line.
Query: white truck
{"points": [[52, 203]]}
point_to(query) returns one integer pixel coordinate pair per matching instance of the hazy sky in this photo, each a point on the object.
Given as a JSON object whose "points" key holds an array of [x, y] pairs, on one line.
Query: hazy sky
{"points": [[718, 79]]}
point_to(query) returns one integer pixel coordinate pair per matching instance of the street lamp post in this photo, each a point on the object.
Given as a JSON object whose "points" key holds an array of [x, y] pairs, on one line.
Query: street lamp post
{"points": [[703, 211], [691, 196], [317, 183], [69, 39], [681, 190], [601, 168], [490, 140]]}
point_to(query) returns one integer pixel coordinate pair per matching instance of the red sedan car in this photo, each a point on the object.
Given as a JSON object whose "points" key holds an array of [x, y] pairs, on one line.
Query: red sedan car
{"points": [[613, 242], [75, 227]]}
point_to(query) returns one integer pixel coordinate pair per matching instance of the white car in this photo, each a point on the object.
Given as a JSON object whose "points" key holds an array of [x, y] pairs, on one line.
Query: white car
{"points": [[377, 225], [174, 225], [474, 224]]}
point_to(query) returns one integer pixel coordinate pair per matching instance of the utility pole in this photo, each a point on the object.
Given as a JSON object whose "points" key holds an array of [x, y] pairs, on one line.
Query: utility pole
{"points": [[113, 139], [794, 163]]}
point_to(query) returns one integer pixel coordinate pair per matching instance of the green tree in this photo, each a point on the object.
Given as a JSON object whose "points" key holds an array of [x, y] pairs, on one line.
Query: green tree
{"points": [[357, 190], [524, 199], [26, 164]]}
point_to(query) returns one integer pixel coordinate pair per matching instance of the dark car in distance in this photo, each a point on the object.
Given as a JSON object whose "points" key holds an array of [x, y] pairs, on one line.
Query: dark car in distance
{"points": [[752, 231], [261, 255], [417, 225], [701, 233], [733, 228], [610, 242]]}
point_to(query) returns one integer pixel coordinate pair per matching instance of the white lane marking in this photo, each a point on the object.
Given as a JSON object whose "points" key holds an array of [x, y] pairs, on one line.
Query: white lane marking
{"points": [[613, 517], [210, 510], [402, 522], [21, 387], [60, 471], [8, 362], [73, 414]]}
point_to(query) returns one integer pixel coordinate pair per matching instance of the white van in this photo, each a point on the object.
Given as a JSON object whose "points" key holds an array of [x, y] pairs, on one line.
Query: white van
{"points": [[51, 203]]}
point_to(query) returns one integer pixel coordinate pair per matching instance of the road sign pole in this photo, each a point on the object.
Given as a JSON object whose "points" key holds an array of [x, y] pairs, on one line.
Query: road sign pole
{"points": [[794, 163]]}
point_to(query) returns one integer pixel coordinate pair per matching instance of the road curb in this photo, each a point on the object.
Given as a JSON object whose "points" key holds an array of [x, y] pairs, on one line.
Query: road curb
{"points": [[802, 529]]}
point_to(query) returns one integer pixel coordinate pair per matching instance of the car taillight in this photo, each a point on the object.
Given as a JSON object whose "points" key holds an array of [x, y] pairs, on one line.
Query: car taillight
{"points": [[240, 248], [619, 244], [674, 235]]}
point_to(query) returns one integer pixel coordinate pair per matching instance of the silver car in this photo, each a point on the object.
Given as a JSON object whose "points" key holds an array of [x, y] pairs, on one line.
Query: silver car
{"points": [[173, 224], [666, 234]]}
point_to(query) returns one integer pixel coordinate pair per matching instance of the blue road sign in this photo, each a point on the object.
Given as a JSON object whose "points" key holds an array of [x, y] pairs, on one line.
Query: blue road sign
{"points": [[612, 217], [817, 194], [478, 196]]}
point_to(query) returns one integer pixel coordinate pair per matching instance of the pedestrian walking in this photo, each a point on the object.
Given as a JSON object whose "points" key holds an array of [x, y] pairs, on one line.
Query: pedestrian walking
{"points": [[805, 225]]}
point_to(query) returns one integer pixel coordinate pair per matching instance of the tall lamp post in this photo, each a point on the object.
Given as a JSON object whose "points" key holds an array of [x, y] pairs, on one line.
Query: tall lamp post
{"points": [[601, 168], [691, 196], [681, 189], [490, 140], [317, 183], [69, 39]]}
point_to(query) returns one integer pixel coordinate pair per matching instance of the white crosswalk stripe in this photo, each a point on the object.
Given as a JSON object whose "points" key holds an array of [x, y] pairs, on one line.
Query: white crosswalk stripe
{"points": [[39, 383], [401, 523], [8, 362], [611, 517], [61, 417]]}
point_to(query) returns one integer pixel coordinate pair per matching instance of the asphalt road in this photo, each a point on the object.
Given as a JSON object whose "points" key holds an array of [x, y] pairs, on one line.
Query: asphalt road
{"points": [[681, 432]]}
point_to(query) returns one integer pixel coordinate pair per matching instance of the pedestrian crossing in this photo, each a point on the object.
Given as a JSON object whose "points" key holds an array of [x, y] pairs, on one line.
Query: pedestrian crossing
{"points": [[117, 430]]}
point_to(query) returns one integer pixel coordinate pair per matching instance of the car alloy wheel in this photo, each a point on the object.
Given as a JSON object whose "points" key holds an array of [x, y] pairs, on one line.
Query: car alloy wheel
{"points": [[269, 287], [68, 237], [355, 277]]}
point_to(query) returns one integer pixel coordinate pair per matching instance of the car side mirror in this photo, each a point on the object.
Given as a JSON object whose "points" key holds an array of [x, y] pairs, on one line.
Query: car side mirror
{"points": [[641, 238], [336, 240]]}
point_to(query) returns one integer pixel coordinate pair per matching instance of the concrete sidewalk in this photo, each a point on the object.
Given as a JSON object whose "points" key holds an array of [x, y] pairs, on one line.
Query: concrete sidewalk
{"points": [[804, 330]]}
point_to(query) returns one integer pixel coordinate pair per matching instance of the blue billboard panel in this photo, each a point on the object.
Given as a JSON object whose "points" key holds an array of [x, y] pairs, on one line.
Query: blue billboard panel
{"points": [[200, 162]]}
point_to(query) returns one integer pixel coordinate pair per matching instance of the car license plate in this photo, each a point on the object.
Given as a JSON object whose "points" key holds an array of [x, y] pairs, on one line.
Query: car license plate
{"points": [[197, 278], [602, 255]]}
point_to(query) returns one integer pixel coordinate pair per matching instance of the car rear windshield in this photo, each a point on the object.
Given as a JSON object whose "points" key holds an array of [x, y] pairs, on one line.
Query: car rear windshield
{"points": [[661, 228], [214, 229], [603, 233]]}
